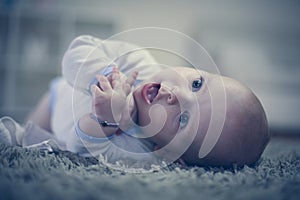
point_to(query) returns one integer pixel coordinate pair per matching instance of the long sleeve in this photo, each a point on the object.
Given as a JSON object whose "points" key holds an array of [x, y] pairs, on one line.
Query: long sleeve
{"points": [[87, 56]]}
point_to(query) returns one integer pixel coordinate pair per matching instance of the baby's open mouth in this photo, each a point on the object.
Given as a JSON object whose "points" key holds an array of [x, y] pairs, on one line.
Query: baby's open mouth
{"points": [[150, 91]]}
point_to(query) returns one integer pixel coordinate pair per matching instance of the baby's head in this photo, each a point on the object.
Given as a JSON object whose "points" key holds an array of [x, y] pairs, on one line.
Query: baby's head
{"points": [[181, 108]]}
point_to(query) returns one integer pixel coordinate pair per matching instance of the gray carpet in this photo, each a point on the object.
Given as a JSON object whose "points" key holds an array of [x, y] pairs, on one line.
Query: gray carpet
{"points": [[33, 174]]}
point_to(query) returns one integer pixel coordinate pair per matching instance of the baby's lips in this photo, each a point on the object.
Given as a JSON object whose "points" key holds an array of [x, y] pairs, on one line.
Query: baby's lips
{"points": [[150, 91]]}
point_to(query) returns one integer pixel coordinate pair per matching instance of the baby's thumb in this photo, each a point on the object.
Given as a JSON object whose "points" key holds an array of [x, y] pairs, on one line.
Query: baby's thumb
{"points": [[95, 91]]}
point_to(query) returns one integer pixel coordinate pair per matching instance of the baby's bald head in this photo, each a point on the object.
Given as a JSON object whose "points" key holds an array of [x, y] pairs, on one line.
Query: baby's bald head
{"points": [[244, 135]]}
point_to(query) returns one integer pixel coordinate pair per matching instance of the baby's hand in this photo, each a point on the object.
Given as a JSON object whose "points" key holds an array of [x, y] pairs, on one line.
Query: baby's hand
{"points": [[110, 97]]}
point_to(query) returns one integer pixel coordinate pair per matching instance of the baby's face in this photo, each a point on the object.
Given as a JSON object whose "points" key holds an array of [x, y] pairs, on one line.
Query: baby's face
{"points": [[176, 108], [175, 102]]}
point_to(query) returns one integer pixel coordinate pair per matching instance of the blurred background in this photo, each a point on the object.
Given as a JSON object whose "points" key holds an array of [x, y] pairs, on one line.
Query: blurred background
{"points": [[256, 42]]}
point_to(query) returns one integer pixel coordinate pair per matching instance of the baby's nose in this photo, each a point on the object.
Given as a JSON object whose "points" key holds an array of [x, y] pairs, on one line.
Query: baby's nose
{"points": [[170, 94]]}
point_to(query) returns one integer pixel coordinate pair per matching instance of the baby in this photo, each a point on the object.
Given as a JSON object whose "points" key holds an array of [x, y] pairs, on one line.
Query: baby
{"points": [[115, 100]]}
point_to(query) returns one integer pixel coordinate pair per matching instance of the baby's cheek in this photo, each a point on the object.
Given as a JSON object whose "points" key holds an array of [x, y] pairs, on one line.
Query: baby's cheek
{"points": [[168, 133], [144, 118], [152, 121]]}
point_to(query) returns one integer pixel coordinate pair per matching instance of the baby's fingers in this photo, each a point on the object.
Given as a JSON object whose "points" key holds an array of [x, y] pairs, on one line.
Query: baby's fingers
{"points": [[130, 81], [132, 78], [103, 83], [115, 77], [96, 92]]}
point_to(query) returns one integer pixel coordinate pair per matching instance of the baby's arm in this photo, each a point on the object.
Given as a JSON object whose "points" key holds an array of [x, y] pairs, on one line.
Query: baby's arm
{"points": [[88, 56], [108, 93]]}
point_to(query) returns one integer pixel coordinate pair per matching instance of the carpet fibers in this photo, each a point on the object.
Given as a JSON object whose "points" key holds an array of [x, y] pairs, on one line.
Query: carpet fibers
{"points": [[34, 174]]}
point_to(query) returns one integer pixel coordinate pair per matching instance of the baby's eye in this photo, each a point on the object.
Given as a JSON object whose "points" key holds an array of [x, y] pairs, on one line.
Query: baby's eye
{"points": [[183, 119], [197, 84]]}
